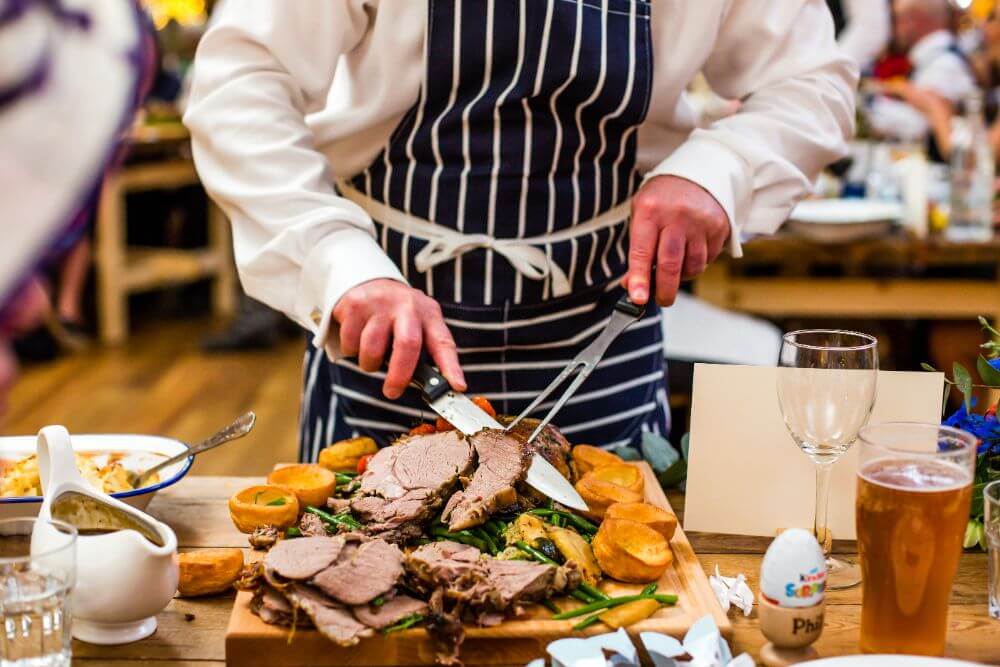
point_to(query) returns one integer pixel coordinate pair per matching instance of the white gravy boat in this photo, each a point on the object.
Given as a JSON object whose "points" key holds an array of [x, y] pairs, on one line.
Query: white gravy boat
{"points": [[123, 579]]}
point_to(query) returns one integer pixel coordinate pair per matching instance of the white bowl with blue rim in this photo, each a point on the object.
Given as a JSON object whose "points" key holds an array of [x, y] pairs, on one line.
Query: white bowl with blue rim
{"points": [[137, 453]]}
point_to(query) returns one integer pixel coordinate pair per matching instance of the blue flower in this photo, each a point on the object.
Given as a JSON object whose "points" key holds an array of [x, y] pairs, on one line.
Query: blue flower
{"points": [[987, 429]]}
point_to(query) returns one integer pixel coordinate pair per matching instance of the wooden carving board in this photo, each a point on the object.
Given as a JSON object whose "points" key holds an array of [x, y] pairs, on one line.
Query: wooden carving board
{"points": [[251, 642]]}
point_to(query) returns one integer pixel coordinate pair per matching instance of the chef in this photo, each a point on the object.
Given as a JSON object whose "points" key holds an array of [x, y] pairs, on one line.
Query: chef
{"points": [[478, 178]]}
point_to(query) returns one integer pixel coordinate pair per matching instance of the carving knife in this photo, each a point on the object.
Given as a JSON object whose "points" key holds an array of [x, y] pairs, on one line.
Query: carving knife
{"points": [[469, 418]]}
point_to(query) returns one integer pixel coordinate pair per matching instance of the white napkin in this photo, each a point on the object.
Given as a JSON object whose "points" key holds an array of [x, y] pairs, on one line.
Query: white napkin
{"points": [[703, 646], [590, 651], [732, 591]]}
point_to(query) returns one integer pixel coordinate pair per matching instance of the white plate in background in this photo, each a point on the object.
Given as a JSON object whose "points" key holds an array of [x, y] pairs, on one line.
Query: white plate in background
{"points": [[140, 452], [843, 220]]}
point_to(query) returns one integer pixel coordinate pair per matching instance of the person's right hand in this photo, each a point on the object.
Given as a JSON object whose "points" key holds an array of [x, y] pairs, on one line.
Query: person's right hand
{"points": [[374, 312]]}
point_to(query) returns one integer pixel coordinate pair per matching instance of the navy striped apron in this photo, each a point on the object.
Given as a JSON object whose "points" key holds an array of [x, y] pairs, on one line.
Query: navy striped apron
{"points": [[524, 129]]}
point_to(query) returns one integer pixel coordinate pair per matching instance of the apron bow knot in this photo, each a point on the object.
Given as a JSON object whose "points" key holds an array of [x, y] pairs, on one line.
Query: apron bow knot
{"points": [[528, 260]]}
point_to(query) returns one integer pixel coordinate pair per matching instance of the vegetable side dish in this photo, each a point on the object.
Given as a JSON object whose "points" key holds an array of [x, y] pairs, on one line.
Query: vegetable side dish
{"points": [[21, 478]]}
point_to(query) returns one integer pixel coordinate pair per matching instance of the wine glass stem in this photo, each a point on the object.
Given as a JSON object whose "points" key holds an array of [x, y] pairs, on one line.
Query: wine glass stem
{"points": [[823, 472]]}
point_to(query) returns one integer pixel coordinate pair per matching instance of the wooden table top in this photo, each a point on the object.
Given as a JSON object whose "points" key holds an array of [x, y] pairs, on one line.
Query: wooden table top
{"points": [[191, 633]]}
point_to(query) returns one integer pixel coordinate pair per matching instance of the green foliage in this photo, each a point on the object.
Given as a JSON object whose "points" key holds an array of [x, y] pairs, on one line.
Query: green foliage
{"points": [[964, 383]]}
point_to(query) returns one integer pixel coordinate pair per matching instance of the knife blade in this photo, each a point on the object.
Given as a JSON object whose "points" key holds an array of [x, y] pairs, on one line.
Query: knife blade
{"points": [[469, 418]]}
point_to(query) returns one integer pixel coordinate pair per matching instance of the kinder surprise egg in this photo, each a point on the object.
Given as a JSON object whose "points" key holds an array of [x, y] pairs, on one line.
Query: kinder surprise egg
{"points": [[793, 573]]}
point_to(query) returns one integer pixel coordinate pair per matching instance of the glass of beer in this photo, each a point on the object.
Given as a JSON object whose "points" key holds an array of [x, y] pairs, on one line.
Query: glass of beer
{"points": [[914, 490]]}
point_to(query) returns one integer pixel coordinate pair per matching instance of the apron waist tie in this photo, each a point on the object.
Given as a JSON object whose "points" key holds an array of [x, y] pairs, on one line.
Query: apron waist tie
{"points": [[444, 244]]}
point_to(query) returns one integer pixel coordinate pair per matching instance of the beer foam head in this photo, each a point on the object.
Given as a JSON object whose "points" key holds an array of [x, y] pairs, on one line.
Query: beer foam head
{"points": [[916, 474], [793, 572]]}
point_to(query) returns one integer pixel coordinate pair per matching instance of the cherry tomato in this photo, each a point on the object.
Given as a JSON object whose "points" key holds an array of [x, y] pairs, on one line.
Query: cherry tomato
{"points": [[363, 463], [443, 424], [423, 429], [484, 405]]}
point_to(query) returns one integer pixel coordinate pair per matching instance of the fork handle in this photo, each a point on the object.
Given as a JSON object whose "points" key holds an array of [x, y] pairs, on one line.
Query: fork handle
{"points": [[626, 306]]}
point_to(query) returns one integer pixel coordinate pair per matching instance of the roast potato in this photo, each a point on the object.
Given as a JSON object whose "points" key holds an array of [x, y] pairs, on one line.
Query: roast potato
{"points": [[527, 528], [588, 457], [263, 506], [312, 483], [576, 550], [343, 456], [622, 474], [631, 612], [655, 517], [630, 551], [600, 494], [208, 571]]}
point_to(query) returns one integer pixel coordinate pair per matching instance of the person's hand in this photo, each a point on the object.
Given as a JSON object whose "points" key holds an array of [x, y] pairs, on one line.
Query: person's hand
{"points": [[677, 225], [374, 312]]}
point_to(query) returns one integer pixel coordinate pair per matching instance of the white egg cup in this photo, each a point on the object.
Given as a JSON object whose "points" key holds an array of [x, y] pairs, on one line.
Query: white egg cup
{"points": [[122, 579]]}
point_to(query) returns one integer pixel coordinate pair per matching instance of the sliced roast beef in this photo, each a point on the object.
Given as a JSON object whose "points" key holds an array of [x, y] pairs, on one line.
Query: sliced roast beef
{"points": [[446, 629], [484, 583], [274, 609], [334, 621], [503, 462], [405, 483], [445, 565], [362, 574], [393, 611], [312, 526], [516, 581], [303, 557]]}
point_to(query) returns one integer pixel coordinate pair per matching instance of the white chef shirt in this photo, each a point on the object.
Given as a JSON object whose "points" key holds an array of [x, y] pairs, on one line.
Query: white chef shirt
{"points": [[936, 67], [868, 30], [270, 130]]}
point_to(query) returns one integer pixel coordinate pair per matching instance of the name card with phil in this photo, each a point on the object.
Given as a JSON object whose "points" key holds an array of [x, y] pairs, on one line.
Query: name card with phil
{"points": [[746, 475]]}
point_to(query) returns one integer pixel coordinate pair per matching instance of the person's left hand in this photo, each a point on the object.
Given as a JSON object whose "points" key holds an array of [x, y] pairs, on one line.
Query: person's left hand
{"points": [[676, 225]]}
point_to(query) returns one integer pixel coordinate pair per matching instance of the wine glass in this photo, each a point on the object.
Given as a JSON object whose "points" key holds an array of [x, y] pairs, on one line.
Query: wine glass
{"points": [[826, 391]]}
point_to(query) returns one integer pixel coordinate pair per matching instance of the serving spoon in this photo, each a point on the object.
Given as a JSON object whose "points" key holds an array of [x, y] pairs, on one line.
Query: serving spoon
{"points": [[239, 428]]}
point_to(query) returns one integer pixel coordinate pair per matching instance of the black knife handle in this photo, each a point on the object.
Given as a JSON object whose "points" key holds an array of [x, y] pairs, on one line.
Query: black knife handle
{"points": [[430, 383], [626, 306]]}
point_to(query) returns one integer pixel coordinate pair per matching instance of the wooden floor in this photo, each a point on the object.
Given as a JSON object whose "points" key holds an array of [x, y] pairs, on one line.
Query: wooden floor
{"points": [[161, 383]]}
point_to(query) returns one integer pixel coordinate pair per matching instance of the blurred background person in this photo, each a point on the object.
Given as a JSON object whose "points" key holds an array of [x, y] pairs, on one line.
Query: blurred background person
{"points": [[52, 59], [863, 28], [909, 108]]}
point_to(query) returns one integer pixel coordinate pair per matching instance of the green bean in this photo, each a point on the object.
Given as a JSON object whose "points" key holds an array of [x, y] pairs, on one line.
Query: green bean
{"points": [[649, 590], [582, 597], [550, 605], [343, 478], [587, 622], [406, 622], [334, 519], [293, 531], [577, 521], [485, 537], [535, 553], [614, 602], [469, 539]]}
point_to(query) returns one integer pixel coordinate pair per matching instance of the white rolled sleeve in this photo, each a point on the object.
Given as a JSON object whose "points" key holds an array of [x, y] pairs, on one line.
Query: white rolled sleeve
{"points": [[260, 68], [798, 96]]}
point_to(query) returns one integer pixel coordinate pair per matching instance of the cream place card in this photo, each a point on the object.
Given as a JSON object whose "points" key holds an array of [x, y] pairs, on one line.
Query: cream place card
{"points": [[746, 476]]}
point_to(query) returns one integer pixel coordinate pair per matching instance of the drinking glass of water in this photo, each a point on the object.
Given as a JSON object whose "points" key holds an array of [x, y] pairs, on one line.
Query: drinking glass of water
{"points": [[34, 594], [826, 391], [991, 507]]}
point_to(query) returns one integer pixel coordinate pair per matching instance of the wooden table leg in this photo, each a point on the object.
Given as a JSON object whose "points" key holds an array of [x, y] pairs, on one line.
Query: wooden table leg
{"points": [[112, 297], [220, 240]]}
